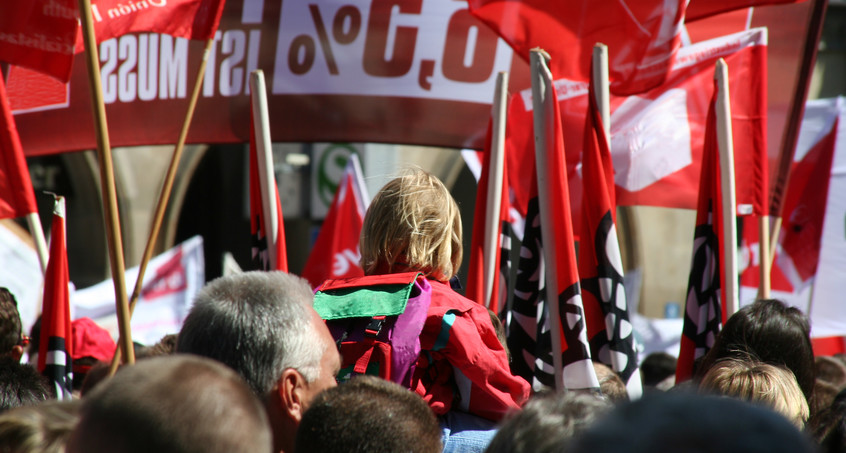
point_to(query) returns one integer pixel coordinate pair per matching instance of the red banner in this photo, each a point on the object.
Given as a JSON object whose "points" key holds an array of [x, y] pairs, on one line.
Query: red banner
{"points": [[338, 72]]}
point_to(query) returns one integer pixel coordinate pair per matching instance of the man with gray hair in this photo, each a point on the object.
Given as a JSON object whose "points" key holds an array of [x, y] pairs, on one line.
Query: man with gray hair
{"points": [[263, 326]]}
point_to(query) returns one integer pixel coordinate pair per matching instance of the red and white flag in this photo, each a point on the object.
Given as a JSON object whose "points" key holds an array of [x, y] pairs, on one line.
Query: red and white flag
{"points": [[190, 19], [609, 330], [16, 195], [657, 136], [260, 253], [40, 35], [804, 212], [336, 252], [532, 327], [56, 343], [642, 36], [704, 308]]}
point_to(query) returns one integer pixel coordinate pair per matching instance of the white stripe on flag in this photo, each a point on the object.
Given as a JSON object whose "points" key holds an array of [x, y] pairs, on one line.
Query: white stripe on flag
{"points": [[56, 357]]}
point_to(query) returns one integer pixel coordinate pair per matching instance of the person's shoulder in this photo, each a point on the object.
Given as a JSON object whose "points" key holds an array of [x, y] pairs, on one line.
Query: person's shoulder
{"points": [[446, 299]]}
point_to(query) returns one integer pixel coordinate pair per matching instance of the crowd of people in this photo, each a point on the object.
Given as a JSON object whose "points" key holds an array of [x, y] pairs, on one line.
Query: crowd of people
{"points": [[254, 369]]}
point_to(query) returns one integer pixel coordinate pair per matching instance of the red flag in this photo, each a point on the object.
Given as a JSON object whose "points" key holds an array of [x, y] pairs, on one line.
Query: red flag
{"points": [[56, 343], [529, 336], [40, 35], [700, 9], [804, 212], [16, 195], [642, 36], [475, 272], [609, 331], [260, 253], [703, 314], [336, 253], [657, 136], [190, 19]]}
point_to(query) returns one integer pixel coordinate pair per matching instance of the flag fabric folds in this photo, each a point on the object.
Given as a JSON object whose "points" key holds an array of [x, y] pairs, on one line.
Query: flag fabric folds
{"points": [[16, 195], [56, 343], [190, 19], [260, 253], [336, 252], [657, 136], [704, 307], [532, 329], [642, 36], [40, 35], [700, 9], [610, 333]]}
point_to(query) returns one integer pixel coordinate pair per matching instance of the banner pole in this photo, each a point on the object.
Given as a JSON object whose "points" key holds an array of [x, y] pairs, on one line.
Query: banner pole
{"points": [[726, 147], [542, 122], [34, 224], [599, 73], [107, 182], [494, 200], [167, 189], [264, 159]]}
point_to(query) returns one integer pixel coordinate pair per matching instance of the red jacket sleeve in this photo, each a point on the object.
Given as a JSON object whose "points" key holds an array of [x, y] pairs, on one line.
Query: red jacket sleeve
{"points": [[459, 331]]}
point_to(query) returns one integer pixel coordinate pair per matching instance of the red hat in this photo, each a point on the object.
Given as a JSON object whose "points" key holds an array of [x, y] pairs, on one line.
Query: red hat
{"points": [[91, 340]]}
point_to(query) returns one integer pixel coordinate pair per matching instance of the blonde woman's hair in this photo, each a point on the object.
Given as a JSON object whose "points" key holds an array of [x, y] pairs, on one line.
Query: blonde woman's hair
{"points": [[750, 380], [414, 223]]}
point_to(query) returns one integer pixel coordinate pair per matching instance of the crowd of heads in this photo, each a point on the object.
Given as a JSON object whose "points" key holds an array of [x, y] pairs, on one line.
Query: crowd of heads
{"points": [[253, 369]]}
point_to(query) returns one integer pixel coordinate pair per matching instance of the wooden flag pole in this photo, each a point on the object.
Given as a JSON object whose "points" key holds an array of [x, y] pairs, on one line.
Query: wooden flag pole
{"points": [[107, 182], [765, 259], [495, 175], [726, 147], [265, 161], [600, 77], [164, 195], [794, 118], [542, 126], [774, 234]]}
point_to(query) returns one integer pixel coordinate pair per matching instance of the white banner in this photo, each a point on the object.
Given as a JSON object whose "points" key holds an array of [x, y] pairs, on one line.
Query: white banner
{"points": [[827, 313], [171, 281]]}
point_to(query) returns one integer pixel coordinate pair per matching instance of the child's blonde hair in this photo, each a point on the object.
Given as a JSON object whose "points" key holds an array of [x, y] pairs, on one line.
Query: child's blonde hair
{"points": [[413, 222], [758, 382]]}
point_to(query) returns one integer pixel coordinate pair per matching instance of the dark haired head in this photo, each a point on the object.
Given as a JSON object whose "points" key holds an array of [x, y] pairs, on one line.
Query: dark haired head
{"points": [[772, 332], [369, 414], [21, 385], [10, 323], [684, 422]]}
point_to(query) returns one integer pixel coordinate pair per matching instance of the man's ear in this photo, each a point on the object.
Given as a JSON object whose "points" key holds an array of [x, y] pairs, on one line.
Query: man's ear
{"points": [[292, 392], [17, 352]]}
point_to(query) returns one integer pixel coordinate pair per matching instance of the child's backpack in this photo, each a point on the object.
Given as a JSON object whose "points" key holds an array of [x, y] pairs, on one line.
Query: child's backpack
{"points": [[376, 322]]}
